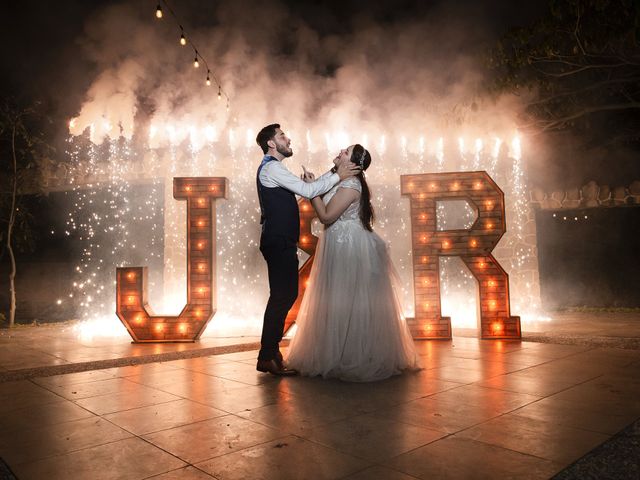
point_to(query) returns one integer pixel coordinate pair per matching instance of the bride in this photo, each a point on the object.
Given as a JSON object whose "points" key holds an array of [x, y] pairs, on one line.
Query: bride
{"points": [[350, 324]]}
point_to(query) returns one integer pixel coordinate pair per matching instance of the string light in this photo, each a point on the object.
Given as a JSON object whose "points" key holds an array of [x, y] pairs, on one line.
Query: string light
{"points": [[198, 58]]}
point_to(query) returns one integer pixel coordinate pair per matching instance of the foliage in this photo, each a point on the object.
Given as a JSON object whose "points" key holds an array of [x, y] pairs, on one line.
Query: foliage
{"points": [[31, 152], [579, 67], [21, 149]]}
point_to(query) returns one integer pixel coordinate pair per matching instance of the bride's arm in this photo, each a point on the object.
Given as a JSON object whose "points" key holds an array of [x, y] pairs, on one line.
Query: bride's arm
{"points": [[329, 213]]}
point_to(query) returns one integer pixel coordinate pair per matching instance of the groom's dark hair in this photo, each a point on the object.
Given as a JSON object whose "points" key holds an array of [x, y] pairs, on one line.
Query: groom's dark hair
{"points": [[266, 134]]}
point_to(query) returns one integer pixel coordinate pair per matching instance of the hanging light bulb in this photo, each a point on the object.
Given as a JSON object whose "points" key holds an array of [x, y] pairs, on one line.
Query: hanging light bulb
{"points": [[219, 93], [208, 80], [183, 41], [196, 64], [158, 11]]}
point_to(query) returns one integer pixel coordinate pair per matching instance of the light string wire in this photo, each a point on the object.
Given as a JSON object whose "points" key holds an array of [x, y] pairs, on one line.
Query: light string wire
{"points": [[184, 39]]}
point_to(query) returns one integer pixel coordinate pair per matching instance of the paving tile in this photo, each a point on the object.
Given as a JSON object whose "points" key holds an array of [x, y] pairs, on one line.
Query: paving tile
{"points": [[179, 376], [298, 414], [459, 458], [198, 364], [447, 417], [41, 442], [240, 372], [603, 395], [239, 400], [420, 384], [542, 439], [288, 458], [459, 375], [163, 416], [372, 438], [76, 391], [366, 397], [197, 386], [567, 373], [72, 378], [211, 438], [132, 458], [501, 400], [558, 412], [245, 355], [117, 402], [47, 414], [186, 473], [489, 368], [531, 385], [524, 358], [378, 472], [24, 394], [131, 370], [555, 350]]}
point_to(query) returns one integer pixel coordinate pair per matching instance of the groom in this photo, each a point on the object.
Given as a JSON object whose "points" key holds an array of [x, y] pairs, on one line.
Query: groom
{"points": [[280, 219]]}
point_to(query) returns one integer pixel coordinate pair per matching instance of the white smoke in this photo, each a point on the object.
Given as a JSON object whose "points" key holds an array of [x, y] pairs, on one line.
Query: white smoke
{"points": [[408, 78]]}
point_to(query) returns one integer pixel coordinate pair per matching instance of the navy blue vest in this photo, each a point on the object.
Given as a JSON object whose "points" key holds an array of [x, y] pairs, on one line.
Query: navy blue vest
{"points": [[279, 209]]}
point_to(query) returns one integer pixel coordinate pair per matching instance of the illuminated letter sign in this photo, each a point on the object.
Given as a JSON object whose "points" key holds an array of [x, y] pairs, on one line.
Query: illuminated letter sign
{"points": [[473, 246], [131, 292], [307, 244]]}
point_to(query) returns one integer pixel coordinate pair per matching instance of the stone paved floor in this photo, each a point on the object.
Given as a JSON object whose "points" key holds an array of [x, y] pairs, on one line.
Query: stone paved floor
{"points": [[59, 345], [478, 409]]}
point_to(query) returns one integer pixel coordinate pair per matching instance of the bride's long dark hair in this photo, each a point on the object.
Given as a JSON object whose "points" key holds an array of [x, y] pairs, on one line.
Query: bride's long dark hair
{"points": [[360, 156]]}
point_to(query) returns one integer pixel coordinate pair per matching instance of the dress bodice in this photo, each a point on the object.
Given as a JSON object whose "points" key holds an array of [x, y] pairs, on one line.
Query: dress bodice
{"points": [[353, 211]]}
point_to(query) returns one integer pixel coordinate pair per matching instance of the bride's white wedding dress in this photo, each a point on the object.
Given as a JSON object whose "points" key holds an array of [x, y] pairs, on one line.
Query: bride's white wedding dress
{"points": [[350, 324]]}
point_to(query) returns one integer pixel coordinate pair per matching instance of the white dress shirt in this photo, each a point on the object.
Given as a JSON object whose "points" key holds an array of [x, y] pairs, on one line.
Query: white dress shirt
{"points": [[275, 174]]}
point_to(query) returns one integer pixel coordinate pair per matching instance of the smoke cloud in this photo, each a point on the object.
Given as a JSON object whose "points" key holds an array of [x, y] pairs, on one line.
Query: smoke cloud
{"points": [[404, 77]]}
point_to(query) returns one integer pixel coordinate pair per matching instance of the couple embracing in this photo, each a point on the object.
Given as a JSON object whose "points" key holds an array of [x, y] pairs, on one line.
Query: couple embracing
{"points": [[350, 323]]}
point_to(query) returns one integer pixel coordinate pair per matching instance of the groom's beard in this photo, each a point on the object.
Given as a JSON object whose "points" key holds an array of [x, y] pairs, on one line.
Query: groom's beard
{"points": [[283, 150]]}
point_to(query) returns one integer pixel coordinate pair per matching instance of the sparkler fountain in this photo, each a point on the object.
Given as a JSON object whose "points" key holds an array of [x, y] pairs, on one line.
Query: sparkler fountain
{"points": [[115, 169]]}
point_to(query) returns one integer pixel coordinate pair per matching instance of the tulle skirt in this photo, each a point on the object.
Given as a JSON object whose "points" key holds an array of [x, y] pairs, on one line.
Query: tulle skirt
{"points": [[350, 325]]}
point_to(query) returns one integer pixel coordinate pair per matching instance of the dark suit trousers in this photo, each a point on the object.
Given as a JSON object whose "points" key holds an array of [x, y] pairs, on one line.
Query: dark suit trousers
{"points": [[281, 255]]}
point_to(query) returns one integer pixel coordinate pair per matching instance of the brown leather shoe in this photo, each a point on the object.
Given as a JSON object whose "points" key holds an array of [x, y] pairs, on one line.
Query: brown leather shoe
{"points": [[275, 368]]}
